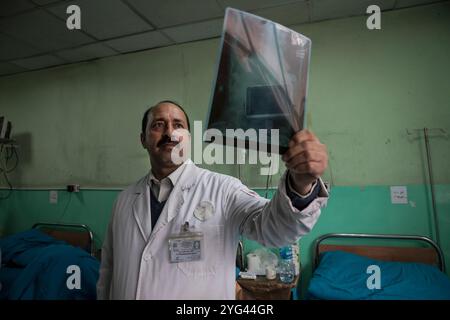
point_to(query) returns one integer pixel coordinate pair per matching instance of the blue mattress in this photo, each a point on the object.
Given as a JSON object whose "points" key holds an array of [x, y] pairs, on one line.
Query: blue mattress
{"points": [[341, 275], [36, 266]]}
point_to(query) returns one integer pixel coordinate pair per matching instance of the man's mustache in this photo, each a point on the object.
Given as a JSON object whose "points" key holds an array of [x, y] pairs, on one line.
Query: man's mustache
{"points": [[164, 140]]}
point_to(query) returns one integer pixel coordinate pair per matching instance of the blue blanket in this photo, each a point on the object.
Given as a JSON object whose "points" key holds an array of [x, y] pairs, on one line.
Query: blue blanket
{"points": [[342, 275], [37, 266]]}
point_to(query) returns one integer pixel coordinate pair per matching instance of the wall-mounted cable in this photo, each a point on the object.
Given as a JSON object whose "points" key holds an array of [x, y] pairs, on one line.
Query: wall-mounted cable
{"points": [[7, 152]]}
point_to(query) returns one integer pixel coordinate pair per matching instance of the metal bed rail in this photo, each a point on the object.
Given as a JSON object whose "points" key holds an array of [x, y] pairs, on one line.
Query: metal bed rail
{"points": [[316, 253], [71, 227]]}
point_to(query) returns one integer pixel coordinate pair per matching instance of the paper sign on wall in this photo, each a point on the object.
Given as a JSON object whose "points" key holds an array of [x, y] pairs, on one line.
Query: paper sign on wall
{"points": [[399, 195]]}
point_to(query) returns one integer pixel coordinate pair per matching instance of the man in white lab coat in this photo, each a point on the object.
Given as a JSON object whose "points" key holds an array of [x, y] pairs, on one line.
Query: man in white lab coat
{"points": [[158, 225]]}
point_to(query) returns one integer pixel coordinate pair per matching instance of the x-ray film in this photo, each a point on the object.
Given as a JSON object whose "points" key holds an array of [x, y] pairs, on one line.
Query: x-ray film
{"points": [[261, 82]]}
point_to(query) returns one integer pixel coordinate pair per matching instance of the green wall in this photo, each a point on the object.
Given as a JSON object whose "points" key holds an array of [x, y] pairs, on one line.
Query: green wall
{"points": [[25, 208], [368, 209], [350, 209], [80, 124]]}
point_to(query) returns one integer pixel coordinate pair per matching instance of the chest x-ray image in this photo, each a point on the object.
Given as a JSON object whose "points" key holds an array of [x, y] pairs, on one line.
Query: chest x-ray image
{"points": [[261, 79]]}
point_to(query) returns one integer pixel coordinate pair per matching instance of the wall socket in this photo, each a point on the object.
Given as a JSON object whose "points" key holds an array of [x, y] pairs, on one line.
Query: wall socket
{"points": [[53, 197], [73, 188]]}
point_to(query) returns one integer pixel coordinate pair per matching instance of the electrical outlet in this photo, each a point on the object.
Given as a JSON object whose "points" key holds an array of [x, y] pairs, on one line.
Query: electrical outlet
{"points": [[73, 188], [53, 197]]}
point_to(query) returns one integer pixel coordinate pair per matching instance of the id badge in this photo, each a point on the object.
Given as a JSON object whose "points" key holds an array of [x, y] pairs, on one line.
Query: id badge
{"points": [[185, 246]]}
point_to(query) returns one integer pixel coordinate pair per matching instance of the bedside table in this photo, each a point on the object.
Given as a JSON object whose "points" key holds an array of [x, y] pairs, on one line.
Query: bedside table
{"points": [[263, 289]]}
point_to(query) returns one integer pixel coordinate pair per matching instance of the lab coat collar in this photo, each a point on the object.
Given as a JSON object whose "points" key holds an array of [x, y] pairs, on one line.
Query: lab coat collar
{"points": [[181, 179], [173, 177], [141, 205], [186, 181]]}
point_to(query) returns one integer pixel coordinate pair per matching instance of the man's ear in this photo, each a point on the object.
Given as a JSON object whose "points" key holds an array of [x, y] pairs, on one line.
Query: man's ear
{"points": [[143, 140]]}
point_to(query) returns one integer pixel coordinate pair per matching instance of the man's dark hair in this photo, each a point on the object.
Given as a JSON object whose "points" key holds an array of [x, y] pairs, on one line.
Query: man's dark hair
{"points": [[145, 117]]}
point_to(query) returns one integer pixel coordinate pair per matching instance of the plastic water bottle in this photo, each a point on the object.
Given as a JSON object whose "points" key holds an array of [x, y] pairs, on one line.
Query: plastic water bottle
{"points": [[296, 258], [287, 267]]}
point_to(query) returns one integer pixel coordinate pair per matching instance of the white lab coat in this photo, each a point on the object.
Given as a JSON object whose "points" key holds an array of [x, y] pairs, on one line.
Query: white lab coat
{"points": [[135, 260]]}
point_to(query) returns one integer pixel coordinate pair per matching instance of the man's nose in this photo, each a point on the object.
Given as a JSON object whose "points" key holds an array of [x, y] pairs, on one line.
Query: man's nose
{"points": [[169, 130]]}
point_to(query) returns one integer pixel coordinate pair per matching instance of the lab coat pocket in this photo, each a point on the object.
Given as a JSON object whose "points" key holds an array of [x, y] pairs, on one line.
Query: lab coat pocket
{"points": [[212, 254]]}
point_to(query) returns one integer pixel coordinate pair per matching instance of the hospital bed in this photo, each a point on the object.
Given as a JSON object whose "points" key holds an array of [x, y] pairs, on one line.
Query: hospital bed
{"points": [[377, 266], [78, 235], [49, 261]]}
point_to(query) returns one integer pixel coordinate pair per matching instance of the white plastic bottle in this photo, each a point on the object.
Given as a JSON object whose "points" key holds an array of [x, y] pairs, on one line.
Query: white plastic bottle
{"points": [[296, 258]]}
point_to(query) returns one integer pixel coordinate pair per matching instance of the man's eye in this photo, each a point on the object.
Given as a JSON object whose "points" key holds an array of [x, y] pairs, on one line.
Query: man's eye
{"points": [[179, 125], [157, 125]]}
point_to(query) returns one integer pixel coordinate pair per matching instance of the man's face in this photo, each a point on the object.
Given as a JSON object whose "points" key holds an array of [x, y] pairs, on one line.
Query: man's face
{"points": [[163, 120]]}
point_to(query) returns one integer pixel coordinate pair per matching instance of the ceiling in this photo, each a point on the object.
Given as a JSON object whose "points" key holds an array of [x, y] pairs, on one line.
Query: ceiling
{"points": [[33, 33]]}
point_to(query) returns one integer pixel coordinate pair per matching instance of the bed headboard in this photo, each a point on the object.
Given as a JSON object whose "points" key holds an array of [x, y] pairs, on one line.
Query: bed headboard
{"points": [[78, 235], [431, 255]]}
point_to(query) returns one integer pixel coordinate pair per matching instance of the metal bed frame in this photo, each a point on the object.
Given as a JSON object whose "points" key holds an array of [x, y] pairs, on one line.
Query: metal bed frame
{"points": [[316, 253], [71, 227]]}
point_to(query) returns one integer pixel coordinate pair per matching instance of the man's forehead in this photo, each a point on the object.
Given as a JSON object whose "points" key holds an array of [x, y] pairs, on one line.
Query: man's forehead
{"points": [[167, 110]]}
